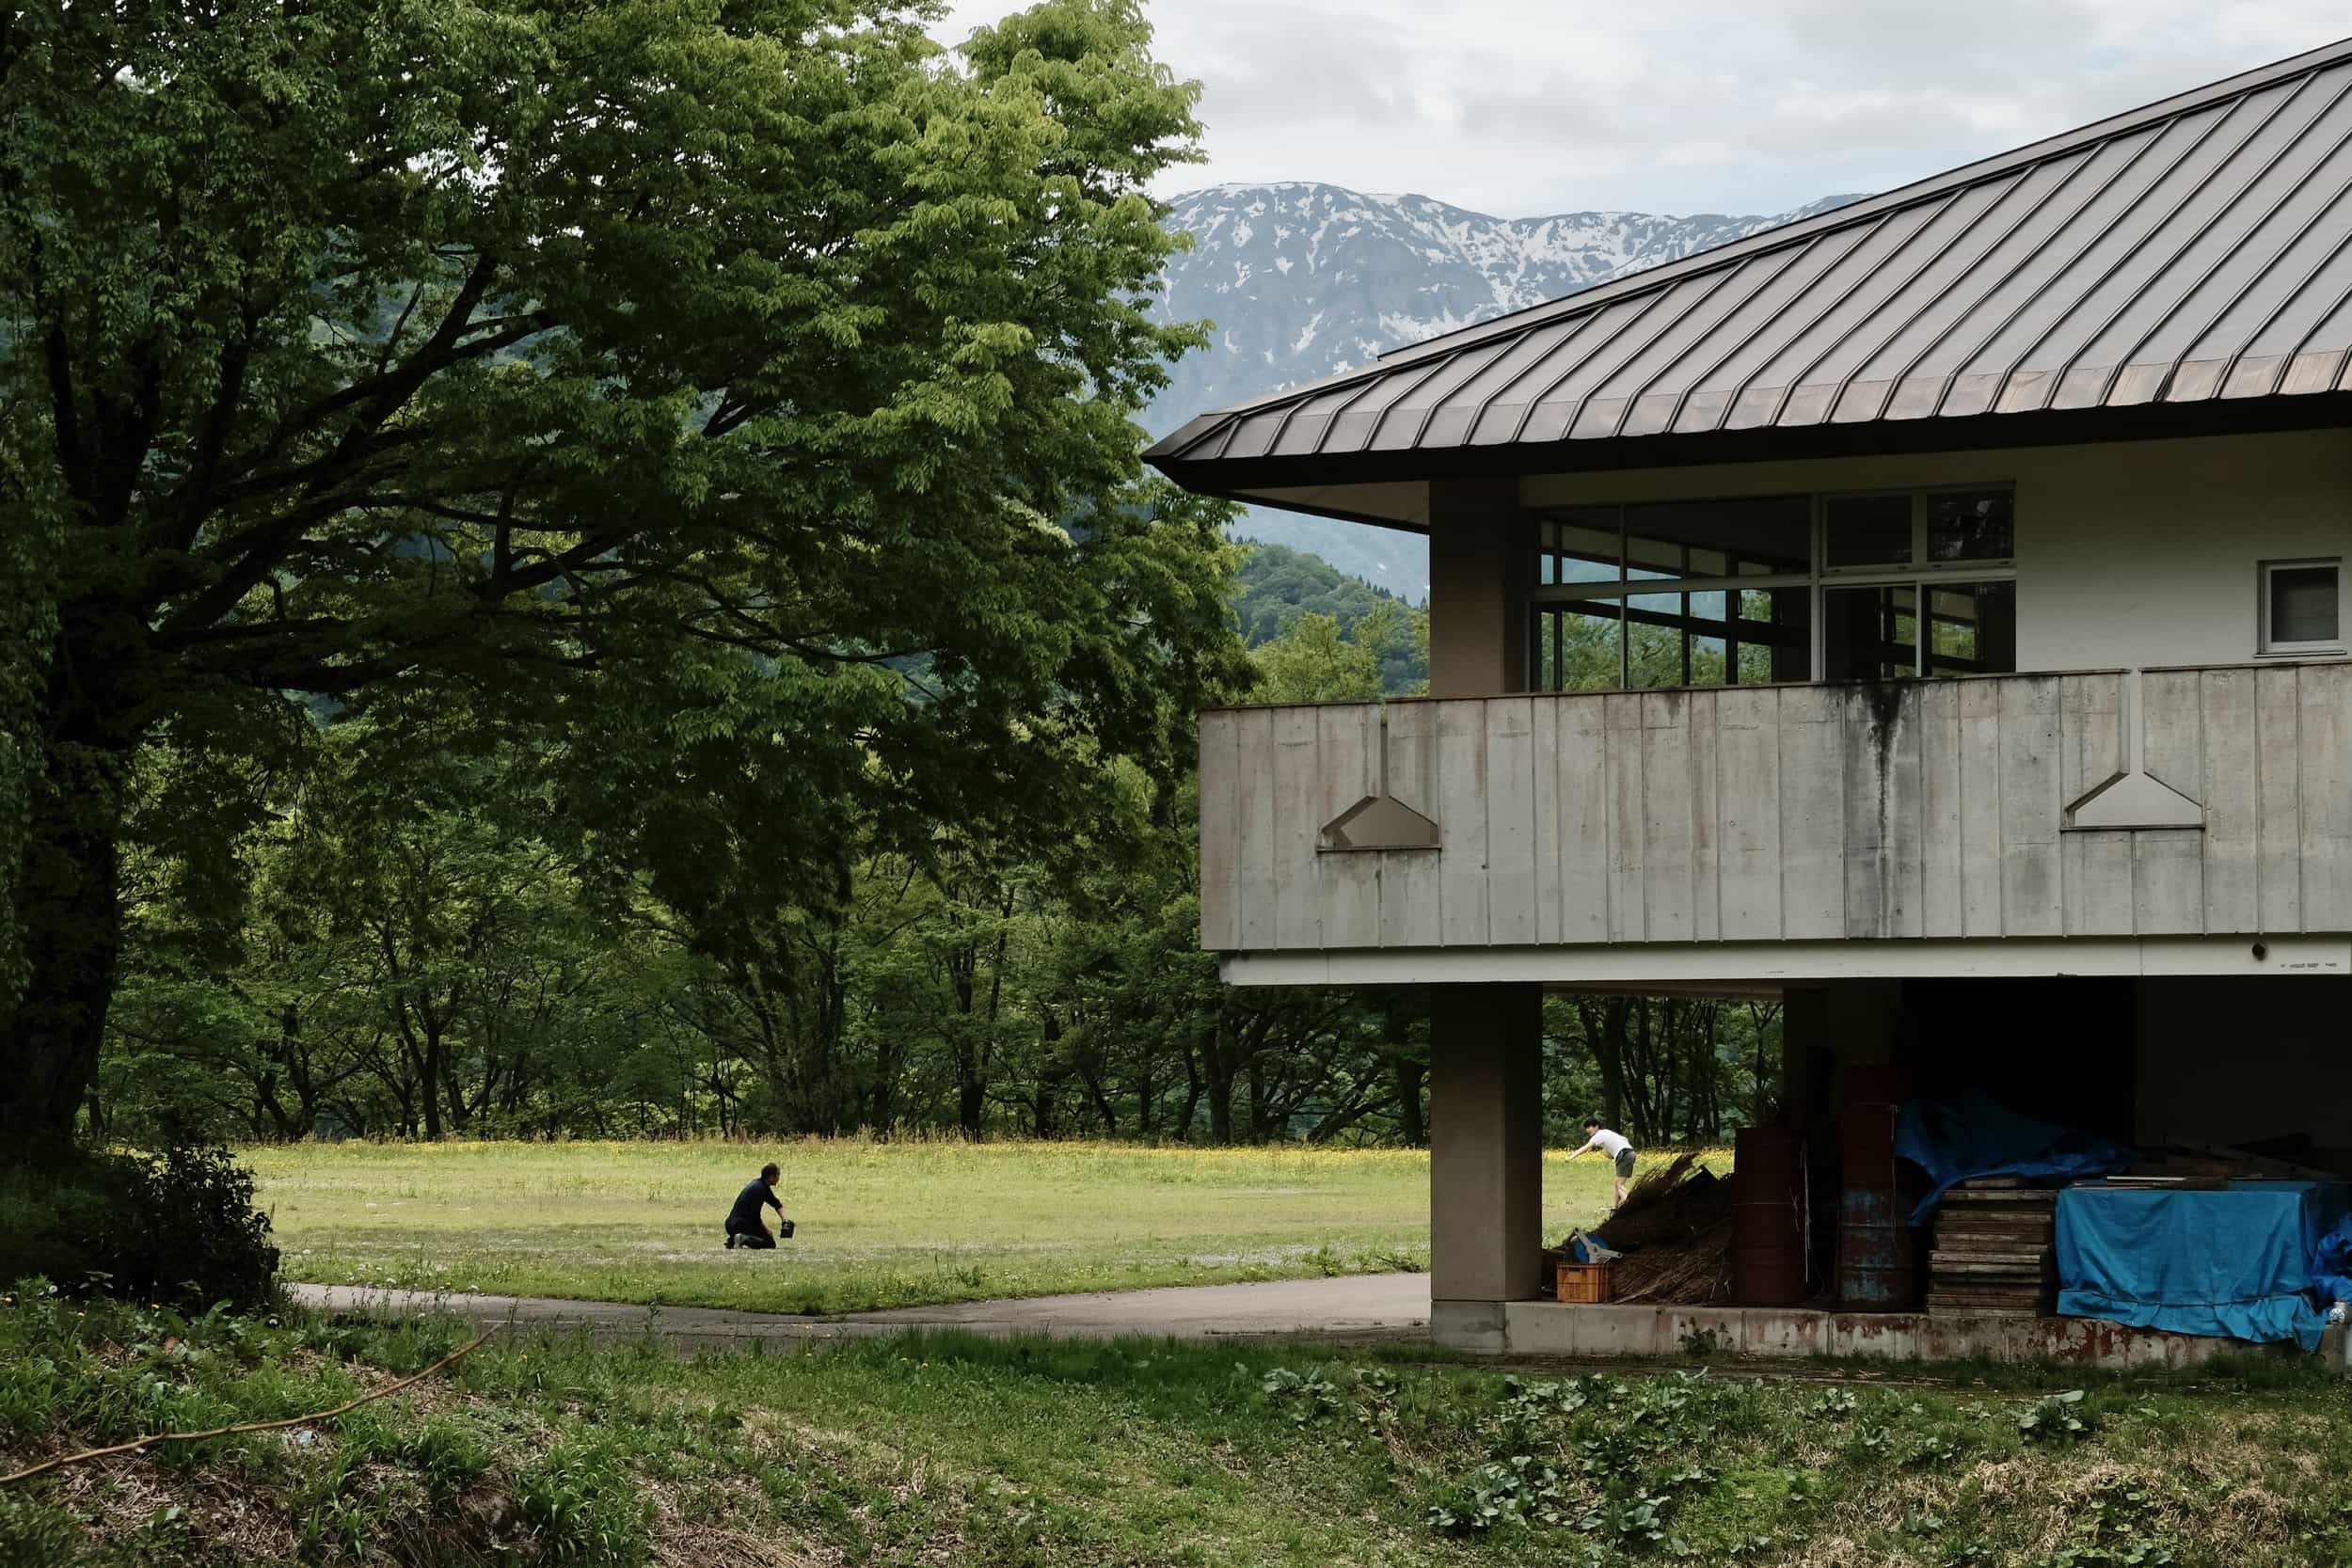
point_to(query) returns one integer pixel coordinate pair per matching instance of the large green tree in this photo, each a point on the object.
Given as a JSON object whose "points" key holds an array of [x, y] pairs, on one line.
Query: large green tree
{"points": [[741, 389]]}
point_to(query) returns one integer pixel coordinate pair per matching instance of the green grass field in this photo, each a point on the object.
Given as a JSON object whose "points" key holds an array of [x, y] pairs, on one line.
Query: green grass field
{"points": [[880, 1224], [910, 1451]]}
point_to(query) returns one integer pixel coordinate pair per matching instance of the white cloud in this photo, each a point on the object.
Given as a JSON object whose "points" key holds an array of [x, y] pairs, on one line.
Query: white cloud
{"points": [[1521, 107]]}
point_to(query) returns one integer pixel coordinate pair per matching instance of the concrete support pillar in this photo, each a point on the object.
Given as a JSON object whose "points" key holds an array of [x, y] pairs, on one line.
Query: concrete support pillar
{"points": [[1861, 1019], [1486, 1158], [1804, 1056], [1481, 558]]}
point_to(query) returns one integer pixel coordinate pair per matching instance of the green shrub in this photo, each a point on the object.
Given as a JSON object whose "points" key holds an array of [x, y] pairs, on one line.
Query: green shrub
{"points": [[33, 1536], [177, 1228], [584, 1507]]}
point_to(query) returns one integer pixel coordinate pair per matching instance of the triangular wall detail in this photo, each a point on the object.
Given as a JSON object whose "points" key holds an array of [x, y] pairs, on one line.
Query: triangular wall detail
{"points": [[2135, 800], [1379, 822]]}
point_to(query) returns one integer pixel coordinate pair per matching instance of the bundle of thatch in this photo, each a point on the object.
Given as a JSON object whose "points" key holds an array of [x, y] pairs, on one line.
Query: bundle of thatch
{"points": [[1675, 1231]]}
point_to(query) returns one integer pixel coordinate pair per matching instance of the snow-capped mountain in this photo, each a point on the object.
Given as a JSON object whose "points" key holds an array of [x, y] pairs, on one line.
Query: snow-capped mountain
{"points": [[1301, 280]]}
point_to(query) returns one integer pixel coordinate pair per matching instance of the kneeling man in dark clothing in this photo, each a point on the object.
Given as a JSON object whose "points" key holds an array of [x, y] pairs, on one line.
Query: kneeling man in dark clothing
{"points": [[745, 1226]]}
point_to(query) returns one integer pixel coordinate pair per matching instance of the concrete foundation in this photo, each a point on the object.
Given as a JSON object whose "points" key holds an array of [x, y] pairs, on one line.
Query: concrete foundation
{"points": [[1549, 1328]]}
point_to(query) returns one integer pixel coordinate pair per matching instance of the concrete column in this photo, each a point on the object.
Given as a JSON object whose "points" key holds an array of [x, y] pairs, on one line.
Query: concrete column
{"points": [[1486, 1041], [1486, 1158], [1481, 559], [1860, 1021]]}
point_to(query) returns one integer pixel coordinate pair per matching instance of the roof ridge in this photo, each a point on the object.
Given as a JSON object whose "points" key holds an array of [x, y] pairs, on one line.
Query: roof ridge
{"points": [[1950, 182]]}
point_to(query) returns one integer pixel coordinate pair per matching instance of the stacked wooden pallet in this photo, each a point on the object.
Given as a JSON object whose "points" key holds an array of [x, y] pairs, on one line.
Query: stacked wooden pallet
{"points": [[1995, 1250]]}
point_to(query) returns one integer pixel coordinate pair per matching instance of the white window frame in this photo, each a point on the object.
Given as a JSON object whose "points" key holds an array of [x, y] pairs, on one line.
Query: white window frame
{"points": [[1921, 575], [2266, 646]]}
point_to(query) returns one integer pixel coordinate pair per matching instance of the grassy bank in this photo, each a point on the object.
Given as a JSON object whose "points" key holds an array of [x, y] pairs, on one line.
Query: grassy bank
{"points": [[954, 1450], [880, 1224]]}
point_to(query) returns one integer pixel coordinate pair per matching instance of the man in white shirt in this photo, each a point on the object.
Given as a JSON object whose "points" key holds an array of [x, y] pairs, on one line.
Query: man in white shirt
{"points": [[1615, 1148]]}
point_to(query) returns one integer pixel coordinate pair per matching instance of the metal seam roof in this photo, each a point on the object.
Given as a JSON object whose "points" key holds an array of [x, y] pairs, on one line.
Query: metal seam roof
{"points": [[2198, 249]]}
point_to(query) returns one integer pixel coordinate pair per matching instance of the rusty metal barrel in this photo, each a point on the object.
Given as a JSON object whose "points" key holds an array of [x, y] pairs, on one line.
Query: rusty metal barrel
{"points": [[1878, 1263], [1768, 1218], [1873, 1105]]}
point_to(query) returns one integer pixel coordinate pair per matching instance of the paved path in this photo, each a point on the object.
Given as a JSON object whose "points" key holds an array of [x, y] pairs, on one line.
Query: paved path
{"points": [[1375, 1305]]}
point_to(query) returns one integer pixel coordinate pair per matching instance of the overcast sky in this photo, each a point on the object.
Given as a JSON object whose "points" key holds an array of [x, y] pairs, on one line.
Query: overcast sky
{"points": [[1523, 107]]}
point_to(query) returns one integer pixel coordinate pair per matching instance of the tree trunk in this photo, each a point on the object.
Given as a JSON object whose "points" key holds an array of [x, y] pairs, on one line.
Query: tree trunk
{"points": [[67, 888], [1261, 1114], [1218, 1070], [1410, 1124], [1609, 1047], [970, 1098]]}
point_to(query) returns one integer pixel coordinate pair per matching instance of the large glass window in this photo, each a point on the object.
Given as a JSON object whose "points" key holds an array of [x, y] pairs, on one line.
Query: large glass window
{"points": [[1724, 592], [1680, 594], [1889, 555]]}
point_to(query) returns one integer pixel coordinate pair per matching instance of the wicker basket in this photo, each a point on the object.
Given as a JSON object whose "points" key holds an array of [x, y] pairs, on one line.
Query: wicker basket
{"points": [[1585, 1284]]}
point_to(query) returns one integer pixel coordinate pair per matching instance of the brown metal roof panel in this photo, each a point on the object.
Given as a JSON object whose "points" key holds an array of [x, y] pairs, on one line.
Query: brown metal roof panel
{"points": [[2294, 290], [1855, 317], [1559, 384], [1253, 434], [2053, 328], [1861, 402], [1403, 422], [1503, 410], [2185, 381], [1917, 397], [1862, 359], [1752, 389], [2162, 111], [1352, 426], [1929, 346], [1749, 333], [1309, 417], [2199, 249], [2216, 242], [2303, 226], [1180, 441], [1594, 415], [1661, 363], [2314, 371], [1591, 418], [1467, 403], [2022, 307]]}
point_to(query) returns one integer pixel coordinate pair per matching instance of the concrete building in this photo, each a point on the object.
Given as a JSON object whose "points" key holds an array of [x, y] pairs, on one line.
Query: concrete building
{"points": [[1933, 611]]}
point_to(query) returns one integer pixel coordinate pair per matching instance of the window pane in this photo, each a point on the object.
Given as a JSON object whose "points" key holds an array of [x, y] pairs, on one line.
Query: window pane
{"points": [[1694, 640], [1658, 642], [1868, 633], [1974, 629], [1719, 539], [1971, 525], [2303, 604], [1867, 530], [1576, 647], [1580, 544], [1772, 637]]}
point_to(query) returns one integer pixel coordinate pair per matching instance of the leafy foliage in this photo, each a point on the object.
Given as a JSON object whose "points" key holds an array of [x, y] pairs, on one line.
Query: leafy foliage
{"points": [[2055, 1419], [741, 397], [1283, 589], [179, 1228]]}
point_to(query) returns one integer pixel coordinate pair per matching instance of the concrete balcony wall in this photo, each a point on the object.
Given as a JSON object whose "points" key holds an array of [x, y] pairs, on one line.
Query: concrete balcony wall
{"points": [[1790, 813]]}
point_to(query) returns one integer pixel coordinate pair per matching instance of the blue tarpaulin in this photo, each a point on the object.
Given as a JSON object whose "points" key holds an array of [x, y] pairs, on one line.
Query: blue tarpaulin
{"points": [[2332, 1261], [2236, 1262], [1972, 1135]]}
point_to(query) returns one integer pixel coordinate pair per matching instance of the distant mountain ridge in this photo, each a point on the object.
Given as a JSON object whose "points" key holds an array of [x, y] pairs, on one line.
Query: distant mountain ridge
{"points": [[1305, 280]]}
